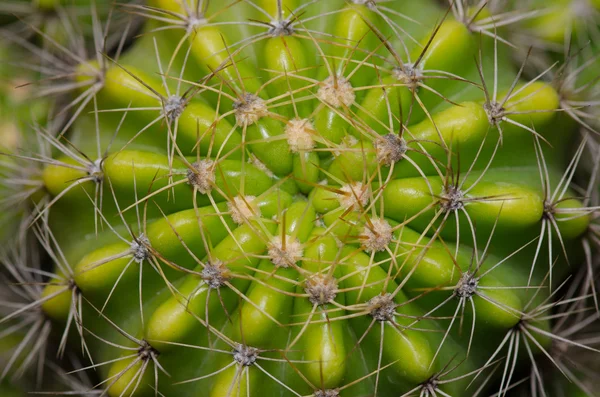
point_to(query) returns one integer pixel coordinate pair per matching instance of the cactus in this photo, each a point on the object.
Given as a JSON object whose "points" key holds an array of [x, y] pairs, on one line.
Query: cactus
{"points": [[322, 198]]}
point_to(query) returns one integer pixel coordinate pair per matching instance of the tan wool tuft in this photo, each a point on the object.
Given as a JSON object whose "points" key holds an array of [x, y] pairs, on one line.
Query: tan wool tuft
{"points": [[243, 208], [390, 149], [376, 236], [285, 257], [202, 175], [249, 110], [337, 92], [299, 134], [355, 196]]}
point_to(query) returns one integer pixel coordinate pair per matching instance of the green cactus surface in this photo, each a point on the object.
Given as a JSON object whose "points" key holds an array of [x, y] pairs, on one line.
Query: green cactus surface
{"points": [[300, 198]]}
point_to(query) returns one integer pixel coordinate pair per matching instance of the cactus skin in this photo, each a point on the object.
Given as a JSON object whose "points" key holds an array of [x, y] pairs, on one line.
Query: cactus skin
{"points": [[307, 199]]}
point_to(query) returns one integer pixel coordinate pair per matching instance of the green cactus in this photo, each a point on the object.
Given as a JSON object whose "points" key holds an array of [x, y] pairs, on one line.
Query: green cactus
{"points": [[305, 198]]}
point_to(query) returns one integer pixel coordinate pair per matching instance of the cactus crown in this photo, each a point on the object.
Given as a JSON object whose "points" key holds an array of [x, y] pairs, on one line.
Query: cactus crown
{"points": [[319, 198]]}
